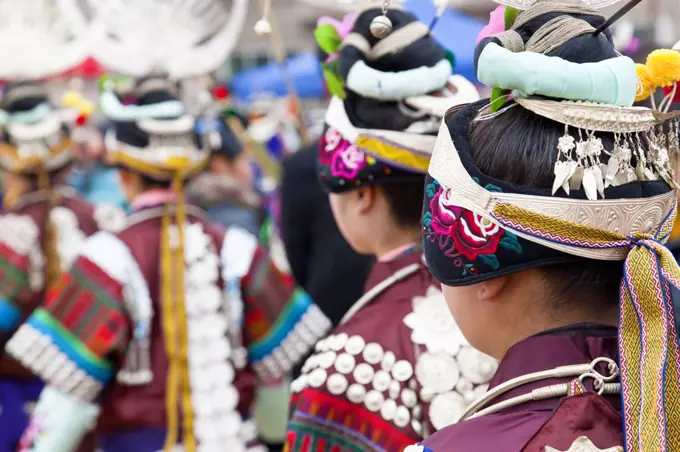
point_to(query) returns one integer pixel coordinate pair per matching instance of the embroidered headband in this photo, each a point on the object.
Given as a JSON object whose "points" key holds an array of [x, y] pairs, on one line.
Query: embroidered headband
{"points": [[477, 227]]}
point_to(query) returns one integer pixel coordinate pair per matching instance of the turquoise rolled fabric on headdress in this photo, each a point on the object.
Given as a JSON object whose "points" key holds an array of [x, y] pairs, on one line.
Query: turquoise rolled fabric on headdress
{"points": [[113, 109], [611, 82]]}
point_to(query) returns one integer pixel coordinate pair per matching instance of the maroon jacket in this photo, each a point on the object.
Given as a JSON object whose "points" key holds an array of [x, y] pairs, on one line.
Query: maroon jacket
{"points": [[556, 423]]}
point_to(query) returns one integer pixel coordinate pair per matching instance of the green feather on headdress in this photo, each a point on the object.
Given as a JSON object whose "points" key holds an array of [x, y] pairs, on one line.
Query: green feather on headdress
{"points": [[498, 95]]}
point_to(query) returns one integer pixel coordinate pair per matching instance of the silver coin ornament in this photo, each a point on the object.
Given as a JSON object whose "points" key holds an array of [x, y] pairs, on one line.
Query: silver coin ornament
{"points": [[381, 27], [263, 27]]}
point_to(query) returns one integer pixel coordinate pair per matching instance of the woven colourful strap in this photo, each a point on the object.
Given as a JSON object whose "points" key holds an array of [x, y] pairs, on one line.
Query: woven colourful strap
{"points": [[648, 332]]}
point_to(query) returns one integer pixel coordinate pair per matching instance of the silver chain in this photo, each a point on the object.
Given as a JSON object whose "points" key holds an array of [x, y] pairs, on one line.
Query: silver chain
{"points": [[385, 6]]}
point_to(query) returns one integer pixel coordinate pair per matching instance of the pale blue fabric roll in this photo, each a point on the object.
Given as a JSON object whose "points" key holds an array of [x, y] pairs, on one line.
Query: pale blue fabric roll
{"points": [[612, 82]]}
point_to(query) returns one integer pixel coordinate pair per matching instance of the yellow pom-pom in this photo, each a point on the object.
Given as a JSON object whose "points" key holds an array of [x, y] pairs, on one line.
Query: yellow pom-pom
{"points": [[86, 109], [645, 84], [72, 99], [664, 67]]}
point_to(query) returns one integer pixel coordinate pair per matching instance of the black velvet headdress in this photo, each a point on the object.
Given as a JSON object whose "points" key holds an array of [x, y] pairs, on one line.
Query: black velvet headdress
{"points": [[380, 127]]}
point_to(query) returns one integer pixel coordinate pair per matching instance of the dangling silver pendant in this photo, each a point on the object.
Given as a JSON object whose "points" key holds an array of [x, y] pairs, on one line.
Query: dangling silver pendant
{"points": [[263, 27], [381, 27]]}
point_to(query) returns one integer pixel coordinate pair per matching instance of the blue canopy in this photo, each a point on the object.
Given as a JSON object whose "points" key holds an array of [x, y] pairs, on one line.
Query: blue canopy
{"points": [[304, 69], [454, 30]]}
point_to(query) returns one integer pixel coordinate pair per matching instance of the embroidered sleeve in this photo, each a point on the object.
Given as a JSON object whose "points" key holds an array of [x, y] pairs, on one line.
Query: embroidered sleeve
{"points": [[21, 270], [280, 321], [76, 339]]}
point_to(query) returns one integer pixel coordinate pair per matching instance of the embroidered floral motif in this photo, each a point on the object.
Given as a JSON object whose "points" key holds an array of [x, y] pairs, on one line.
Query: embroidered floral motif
{"points": [[464, 236], [342, 159], [347, 161]]}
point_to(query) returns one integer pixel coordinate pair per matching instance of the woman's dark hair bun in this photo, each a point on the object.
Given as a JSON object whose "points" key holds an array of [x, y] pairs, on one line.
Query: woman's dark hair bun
{"points": [[581, 49], [425, 51]]}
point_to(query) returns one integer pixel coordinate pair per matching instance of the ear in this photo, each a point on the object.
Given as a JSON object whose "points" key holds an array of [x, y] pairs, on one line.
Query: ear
{"points": [[493, 289], [365, 197]]}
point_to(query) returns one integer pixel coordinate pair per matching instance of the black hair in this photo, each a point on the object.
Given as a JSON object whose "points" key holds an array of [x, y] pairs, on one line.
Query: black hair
{"points": [[379, 114], [519, 146], [425, 51], [405, 199], [147, 183], [581, 49]]}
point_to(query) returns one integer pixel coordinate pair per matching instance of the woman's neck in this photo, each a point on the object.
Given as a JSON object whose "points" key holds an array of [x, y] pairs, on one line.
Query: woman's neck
{"points": [[387, 244], [153, 197], [526, 325]]}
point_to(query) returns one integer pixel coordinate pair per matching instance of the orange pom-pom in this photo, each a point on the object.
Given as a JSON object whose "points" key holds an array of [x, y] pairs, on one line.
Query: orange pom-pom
{"points": [[664, 67], [645, 85]]}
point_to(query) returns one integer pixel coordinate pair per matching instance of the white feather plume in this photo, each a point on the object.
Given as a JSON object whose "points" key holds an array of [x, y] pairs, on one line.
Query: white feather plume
{"points": [[40, 38], [183, 38]]}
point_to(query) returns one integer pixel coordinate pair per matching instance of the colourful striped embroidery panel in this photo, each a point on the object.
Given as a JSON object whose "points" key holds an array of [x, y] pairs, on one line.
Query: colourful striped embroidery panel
{"points": [[82, 320], [89, 304], [290, 317], [13, 285], [323, 423], [273, 306]]}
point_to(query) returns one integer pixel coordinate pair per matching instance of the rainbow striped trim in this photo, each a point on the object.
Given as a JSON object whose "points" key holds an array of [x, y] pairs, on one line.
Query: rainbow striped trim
{"points": [[67, 343], [294, 334], [290, 317], [10, 316], [328, 423]]}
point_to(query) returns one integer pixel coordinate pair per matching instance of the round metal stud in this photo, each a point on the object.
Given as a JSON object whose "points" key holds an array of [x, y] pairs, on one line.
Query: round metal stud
{"points": [[356, 393], [374, 400], [381, 27]]}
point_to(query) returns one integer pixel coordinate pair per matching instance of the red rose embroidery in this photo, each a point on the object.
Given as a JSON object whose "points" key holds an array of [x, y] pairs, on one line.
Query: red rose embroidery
{"points": [[474, 235], [444, 215]]}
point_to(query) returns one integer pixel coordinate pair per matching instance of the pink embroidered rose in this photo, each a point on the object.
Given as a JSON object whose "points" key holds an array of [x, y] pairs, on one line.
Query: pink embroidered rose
{"points": [[444, 215], [347, 161], [474, 235], [331, 141], [496, 24]]}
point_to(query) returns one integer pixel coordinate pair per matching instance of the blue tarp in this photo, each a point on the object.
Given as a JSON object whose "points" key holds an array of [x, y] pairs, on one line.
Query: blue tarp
{"points": [[454, 30]]}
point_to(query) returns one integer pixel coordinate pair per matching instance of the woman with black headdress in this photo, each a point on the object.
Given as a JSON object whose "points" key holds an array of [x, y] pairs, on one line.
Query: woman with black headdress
{"points": [[560, 196], [385, 376]]}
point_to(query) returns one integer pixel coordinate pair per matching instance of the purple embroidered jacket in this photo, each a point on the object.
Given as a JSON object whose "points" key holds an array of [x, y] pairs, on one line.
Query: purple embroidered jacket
{"points": [[556, 423]]}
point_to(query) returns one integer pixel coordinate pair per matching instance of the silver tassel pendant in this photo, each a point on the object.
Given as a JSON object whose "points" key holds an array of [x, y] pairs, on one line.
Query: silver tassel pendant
{"points": [[136, 370]]}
